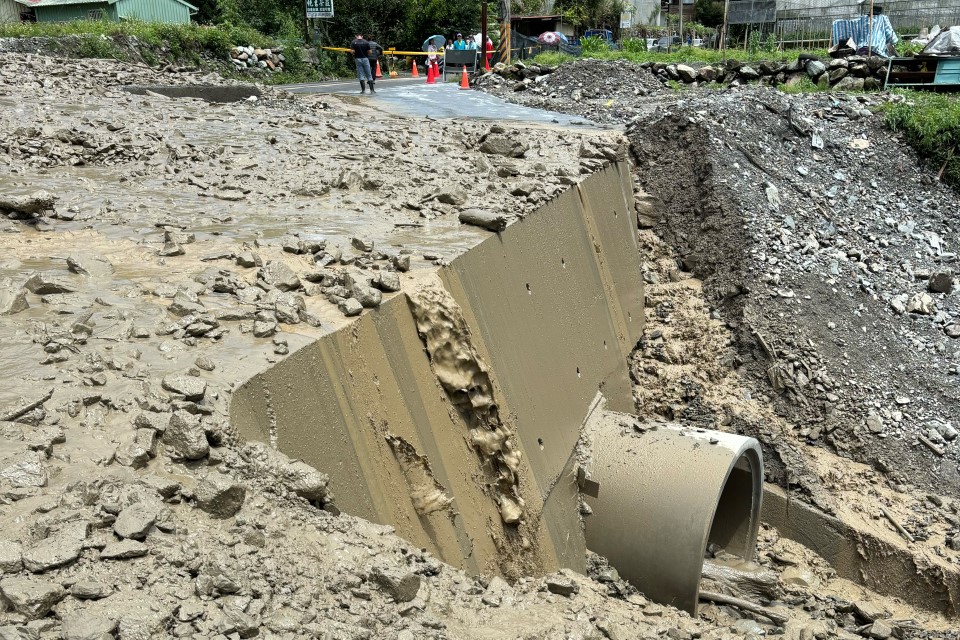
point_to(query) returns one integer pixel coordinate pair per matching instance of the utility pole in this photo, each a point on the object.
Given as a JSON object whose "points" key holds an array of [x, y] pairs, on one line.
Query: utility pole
{"points": [[723, 33], [503, 47], [483, 32], [681, 25], [870, 37]]}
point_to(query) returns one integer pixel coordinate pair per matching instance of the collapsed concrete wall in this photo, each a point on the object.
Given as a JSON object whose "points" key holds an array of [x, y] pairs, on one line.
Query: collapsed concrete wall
{"points": [[535, 321]]}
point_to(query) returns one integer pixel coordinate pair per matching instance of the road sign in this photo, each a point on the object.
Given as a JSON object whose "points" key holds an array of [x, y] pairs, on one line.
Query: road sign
{"points": [[319, 8]]}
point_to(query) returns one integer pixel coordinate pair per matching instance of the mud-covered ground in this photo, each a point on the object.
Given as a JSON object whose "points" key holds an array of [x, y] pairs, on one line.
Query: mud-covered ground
{"points": [[158, 252]]}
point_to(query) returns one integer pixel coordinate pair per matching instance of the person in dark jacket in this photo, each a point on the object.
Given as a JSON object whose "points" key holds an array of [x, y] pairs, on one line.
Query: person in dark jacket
{"points": [[375, 52], [361, 57]]}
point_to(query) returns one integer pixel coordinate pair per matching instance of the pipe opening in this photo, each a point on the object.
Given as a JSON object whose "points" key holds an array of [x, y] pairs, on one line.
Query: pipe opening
{"points": [[732, 527]]}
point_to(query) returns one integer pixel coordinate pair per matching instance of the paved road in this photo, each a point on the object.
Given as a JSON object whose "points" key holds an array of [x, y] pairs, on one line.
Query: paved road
{"points": [[414, 97], [349, 86]]}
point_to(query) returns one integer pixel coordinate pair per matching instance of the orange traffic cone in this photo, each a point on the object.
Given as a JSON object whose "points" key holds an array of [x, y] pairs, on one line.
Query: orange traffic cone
{"points": [[431, 74], [464, 80], [415, 74], [378, 75]]}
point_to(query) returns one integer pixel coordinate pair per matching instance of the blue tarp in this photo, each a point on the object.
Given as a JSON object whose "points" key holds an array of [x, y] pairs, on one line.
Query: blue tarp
{"points": [[858, 30]]}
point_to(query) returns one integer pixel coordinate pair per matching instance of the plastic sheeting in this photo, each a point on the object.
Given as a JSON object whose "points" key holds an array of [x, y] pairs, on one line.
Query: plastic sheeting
{"points": [[946, 42], [858, 30]]}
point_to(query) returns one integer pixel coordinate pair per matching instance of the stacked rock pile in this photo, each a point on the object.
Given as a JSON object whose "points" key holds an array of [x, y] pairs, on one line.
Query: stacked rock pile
{"points": [[256, 58]]}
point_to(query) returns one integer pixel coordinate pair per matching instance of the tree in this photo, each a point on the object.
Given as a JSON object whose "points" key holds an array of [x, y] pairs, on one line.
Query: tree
{"points": [[709, 13], [592, 13]]}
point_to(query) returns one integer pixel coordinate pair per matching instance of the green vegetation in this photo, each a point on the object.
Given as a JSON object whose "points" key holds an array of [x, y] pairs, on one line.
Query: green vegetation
{"points": [[681, 55], [930, 123]]}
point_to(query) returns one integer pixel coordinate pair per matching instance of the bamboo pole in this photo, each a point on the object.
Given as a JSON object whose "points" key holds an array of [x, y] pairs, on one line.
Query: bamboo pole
{"points": [[870, 35]]}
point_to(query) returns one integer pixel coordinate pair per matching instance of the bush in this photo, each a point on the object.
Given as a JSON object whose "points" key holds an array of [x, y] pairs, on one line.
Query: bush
{"points": [[930, 123], [593, 45], [634, 45]]}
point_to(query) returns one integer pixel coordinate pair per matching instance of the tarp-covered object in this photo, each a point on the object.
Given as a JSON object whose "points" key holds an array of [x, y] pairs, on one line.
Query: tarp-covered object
{"points": [[858, 30], [946, 42]]}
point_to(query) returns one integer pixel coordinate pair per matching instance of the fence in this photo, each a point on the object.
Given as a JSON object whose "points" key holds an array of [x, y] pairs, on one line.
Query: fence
{"points": [[808, 23]]}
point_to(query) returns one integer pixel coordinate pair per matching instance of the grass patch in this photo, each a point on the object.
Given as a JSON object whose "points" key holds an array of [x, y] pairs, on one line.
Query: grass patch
{"points": [[930, 123], [178, 41], [805, 85], [688, 55]]}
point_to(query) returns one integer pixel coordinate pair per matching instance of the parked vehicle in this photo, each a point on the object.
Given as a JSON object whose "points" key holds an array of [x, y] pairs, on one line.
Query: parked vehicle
{"points": [[604, 34], [666, 44]]}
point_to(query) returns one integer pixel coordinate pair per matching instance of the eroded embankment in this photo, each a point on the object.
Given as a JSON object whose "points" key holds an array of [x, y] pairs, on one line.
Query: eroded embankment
{"points": [[452, 411]]}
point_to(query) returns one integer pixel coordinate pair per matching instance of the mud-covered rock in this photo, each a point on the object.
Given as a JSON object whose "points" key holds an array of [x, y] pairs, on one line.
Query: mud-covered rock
{"points": [[185, 437], [399, 584], [276, 274], [55, 551], [11, 556], [87, 626], [124, 550], [31, 597], [220, 495], [136, 520], [190, 387]]}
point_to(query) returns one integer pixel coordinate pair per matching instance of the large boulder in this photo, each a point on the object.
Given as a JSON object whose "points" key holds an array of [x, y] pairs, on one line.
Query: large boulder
{"points": [[185, 437], [30, 597], [220, 495]]}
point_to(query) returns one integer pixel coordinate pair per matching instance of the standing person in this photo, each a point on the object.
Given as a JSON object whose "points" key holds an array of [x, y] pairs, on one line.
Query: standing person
{"points": [[432, 56], [361, 57], [459, 45], [489, 49], [375, 52], [449, 44]]}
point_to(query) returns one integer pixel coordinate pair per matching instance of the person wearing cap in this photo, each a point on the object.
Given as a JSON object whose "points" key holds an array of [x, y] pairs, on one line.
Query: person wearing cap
{"points": [[361, 57], [460, 45]]}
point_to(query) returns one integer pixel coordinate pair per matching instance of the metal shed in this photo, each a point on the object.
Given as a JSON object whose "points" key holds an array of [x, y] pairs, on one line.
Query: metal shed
{"points": [[169, 11]]}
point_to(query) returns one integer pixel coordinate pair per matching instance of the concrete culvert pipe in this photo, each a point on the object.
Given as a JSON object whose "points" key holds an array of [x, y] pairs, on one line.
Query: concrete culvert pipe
{"points": [[665, 493]]}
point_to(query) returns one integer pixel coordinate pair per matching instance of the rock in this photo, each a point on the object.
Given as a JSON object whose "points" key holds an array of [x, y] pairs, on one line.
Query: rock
{"points": [[524, 188], [874, 423], [920, 303], [503, 145], [124, 550], [561, 585], [362, 244], [290, 308], [185, 303], [368, 297], [749, 73], [11, 556], [401, 263], [265, 328], [350, 307], [85, 626], [48, 282], [687, 73], [90, 590], [133, 454], [454, 196], [850, 84], [880, 630], [838, 74], [214, 580], [30, 597], [648, 210], [170, 249], [940, 282], [799, 577], [815, 69], [190, 387], [249, 259], [220, 496], [55, 551], [387, 281], [12, 299], [868, 611], [136, 520], [185, 437], [706, 74], [28, 472], [305, 481], [401, 585], [276, 274], [91, 265]]}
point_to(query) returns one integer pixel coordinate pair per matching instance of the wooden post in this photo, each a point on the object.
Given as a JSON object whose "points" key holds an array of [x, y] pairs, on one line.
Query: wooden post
{"points": [[682, 39], [723, 35], [483, 32], [870, 35]]}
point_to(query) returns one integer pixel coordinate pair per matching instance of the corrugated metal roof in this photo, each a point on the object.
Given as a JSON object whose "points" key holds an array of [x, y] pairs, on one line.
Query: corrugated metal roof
{"points": [[56, 3]]}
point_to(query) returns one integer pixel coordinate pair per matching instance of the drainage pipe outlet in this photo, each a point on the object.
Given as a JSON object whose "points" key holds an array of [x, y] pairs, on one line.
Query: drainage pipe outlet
{"points": [[663, 493]]}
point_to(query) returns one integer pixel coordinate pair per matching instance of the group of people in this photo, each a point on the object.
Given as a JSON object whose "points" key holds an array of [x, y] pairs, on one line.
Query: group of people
{"points": [[459, 45], [365, 56], [366, 52]]}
